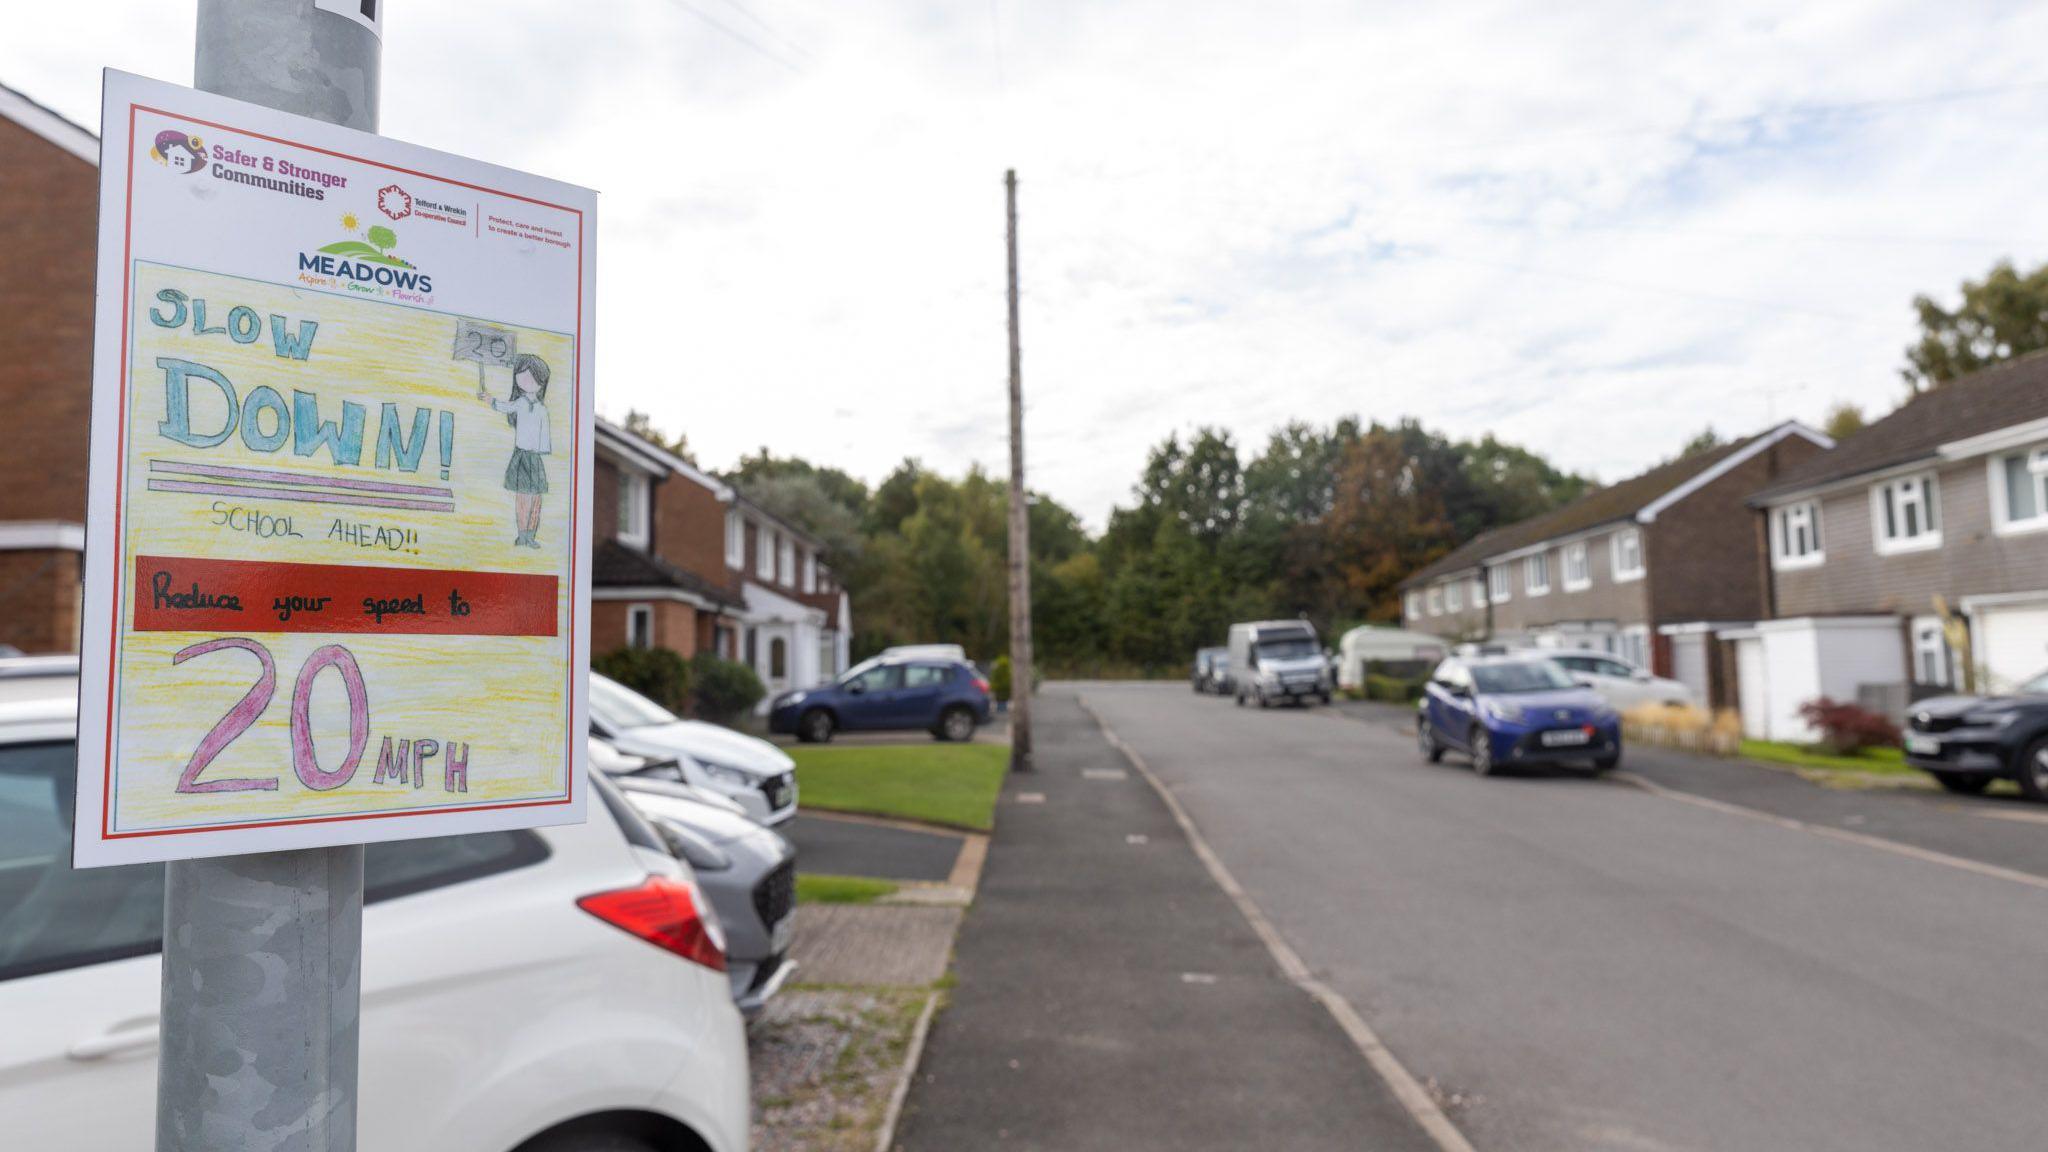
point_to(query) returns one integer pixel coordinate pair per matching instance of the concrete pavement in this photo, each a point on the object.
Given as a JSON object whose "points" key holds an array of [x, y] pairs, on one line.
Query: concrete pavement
{"points": [[1111, 998], [1589, 966]]}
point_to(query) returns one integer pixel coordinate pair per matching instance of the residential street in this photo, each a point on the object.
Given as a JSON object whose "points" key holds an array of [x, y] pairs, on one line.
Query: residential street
{"points": [[1576, 964]]}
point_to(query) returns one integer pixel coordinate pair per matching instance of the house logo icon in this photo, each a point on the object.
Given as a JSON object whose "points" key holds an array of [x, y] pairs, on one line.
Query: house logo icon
{"points": [[394, 201]]}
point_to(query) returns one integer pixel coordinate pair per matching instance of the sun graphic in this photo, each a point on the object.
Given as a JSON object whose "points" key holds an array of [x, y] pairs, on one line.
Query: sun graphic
{"points": [[349, 221]]}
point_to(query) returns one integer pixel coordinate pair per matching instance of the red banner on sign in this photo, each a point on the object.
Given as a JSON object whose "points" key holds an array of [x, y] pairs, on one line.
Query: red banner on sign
{"points": [[180, 594]]}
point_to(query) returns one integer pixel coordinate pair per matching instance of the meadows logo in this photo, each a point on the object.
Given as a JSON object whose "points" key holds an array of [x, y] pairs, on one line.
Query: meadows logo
{"points": [[179, 151], [365, 262]]}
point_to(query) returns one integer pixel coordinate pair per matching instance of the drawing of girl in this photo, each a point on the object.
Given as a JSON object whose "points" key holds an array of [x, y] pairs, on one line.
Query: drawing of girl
{"points": [[177, 151], [526, 475]]}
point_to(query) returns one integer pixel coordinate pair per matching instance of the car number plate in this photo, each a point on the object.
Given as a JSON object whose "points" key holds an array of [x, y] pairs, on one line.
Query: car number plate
{"points": [[1920, 745], [1565, 738]]}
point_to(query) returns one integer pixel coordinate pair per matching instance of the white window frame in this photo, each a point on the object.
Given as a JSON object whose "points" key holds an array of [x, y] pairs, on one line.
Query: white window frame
{"points": [[635, 509], [1920, 490], [1786, 520], [1454, 596], [764, 552], [1633, 645], [1575, 557], [810, 573], [785, 556], [1415, 605], [1929, 640], [735, 539], [1500, 583], [1624, 572], [1536, 574], [636, 616], [1436, 600], [1479, 591], [2002, 520]]}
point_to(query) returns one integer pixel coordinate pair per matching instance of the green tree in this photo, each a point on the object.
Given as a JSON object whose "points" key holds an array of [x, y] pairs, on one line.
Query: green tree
{"points": [[642, 425], [384, 239], [1705, 440], [1844, 420], [2002, 316]]}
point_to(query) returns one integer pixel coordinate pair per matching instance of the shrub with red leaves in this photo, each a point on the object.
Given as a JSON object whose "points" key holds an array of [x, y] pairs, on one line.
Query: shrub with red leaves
{"points": [[1846, 729]]}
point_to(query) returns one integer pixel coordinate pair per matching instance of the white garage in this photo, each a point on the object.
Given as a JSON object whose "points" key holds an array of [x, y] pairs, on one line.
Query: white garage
{"points": [[2011, 639]]}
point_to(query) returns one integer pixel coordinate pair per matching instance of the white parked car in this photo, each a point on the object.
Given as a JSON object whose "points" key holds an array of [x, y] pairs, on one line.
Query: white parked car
{"points": [[1621, 684], [540, 991], [755, 774], [926, 652]]}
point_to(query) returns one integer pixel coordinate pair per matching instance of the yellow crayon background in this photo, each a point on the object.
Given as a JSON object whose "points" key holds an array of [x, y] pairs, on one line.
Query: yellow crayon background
{"points": [[504, 697]]}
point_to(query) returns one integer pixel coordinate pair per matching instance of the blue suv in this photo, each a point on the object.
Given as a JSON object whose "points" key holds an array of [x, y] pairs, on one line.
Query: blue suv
{"points": [[944, 697], [1505, 711]]}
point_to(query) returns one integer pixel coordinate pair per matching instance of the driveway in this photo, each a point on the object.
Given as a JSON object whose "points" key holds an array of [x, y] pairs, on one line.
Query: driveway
{"points": [[1585, 965]]}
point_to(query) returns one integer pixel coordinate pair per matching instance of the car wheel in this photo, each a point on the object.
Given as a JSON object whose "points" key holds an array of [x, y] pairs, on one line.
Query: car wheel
{"points": [[1482, 751], [590, 1142], [956, 725], [1261, 694], [1425, 739], [2032, 773], [1964, 783], [1326, 699], [815, 727], [1240, 698]]}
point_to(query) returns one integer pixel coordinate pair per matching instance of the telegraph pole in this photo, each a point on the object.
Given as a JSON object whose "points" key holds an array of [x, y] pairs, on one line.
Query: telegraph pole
{"points": [[262, 960], [1020, 527]]}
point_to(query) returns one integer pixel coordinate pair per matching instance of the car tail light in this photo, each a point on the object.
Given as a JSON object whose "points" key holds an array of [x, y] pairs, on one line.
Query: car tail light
{"points": [[664, 913], [983, 685]]}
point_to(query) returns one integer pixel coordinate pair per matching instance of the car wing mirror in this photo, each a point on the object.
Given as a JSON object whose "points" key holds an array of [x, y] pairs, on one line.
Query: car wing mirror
{"points": [[856, 688], [1583, 681], [1642, 675]]}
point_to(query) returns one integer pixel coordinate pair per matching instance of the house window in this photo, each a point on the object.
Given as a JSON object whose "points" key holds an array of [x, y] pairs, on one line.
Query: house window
{"points": [[1627, 550], [786, 553], [764, 552], [2019, 491], [1478, 592], [1436, 600], [828, 656], [1907, 514], [639, 626], [1454, 596], [1930, 652], [1577, 573], [1536, 574], [1633, 645], [1795, 536], [1498, 579], [810, 572], [778, 658], [1415, 605], [735, 540], [633, 509], [753, 648]]}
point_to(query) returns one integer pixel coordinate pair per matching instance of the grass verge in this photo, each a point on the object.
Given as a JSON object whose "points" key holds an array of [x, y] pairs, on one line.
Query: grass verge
{"points": [[950, 784], [1869, 762], [815, 889]]}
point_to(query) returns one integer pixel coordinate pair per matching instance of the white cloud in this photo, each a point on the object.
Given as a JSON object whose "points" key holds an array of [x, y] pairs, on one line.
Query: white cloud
{"points": [[1593, 229]]}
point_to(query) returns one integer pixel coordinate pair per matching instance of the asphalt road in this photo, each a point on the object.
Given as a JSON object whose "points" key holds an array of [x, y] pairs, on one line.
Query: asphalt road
{"points": [[1582, 965]]}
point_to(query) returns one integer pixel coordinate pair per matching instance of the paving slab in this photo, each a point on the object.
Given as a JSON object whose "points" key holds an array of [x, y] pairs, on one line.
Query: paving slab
{"points": [[869, 944]]}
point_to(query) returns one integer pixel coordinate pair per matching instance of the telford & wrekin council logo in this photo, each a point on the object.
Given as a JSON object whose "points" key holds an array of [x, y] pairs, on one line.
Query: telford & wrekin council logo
{"points": [[394, 201]]}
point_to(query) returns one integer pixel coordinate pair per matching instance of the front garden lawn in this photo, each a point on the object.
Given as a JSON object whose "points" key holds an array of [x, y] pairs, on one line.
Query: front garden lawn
{"points": [[950, 784]]}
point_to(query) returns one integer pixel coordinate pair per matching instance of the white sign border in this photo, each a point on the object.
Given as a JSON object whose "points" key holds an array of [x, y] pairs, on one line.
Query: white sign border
{"points": [[121, 93]]}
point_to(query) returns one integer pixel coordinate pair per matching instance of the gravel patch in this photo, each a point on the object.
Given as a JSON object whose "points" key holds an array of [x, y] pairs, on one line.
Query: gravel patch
{"points": [[824, 1063]]}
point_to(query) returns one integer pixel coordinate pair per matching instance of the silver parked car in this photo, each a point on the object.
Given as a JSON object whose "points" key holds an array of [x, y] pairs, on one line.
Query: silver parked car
{"points": [[748, 871]]}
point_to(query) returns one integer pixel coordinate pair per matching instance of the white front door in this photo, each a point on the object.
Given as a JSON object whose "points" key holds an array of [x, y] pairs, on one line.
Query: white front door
{"points": [[1752, 690]]}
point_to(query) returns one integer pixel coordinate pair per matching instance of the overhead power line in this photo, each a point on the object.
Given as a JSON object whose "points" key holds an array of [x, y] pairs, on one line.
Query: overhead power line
{"points": [[739, 36], [772, 32]]}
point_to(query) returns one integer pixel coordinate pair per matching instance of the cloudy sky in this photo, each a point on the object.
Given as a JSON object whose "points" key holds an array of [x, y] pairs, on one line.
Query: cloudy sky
{"points": [[1589, 228]]}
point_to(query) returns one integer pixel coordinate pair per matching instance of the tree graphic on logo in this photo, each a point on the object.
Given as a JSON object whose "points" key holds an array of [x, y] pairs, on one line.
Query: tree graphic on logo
{"points": [[377, 251]]}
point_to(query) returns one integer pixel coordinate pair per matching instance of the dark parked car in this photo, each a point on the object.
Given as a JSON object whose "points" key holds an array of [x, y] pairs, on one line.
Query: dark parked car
{"points": [[1966, 742], [1212, 671], [1508, 710], [944, 697]]}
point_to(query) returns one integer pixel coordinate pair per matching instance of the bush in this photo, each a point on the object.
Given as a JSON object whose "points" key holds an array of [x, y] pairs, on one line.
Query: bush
{"points": [[722, 690], [1846, 729], [656, 673], [1391, 689], [999, 678]]}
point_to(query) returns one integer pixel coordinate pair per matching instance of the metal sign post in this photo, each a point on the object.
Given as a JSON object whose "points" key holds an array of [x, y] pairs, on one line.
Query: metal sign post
{"points": [[262, 953]]}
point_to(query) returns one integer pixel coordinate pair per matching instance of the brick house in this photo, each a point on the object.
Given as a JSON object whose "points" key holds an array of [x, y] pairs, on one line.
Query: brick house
{"points": [[683, 560], [1941, 504], [48, 219], [1630, 569]]}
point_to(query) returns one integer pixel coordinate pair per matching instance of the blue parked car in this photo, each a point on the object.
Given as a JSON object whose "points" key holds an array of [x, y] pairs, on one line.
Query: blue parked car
{"points": [[1509, 710], [947, 698]]}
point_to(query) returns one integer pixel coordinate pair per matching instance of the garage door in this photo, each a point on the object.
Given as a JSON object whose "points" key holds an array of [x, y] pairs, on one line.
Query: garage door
{"points": [[2012, 643]]}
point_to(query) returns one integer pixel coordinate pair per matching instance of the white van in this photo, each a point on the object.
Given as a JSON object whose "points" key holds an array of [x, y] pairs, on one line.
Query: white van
{"points": [[1278, 660]]}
